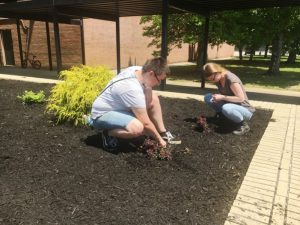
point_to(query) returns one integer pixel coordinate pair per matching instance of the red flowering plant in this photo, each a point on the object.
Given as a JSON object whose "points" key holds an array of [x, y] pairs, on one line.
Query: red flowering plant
{"points": [[153, 150], [202, 122]]}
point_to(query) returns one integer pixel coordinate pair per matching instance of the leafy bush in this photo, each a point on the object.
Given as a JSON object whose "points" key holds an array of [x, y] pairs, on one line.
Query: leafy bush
{"points": [[30, 97], [73, 97]]}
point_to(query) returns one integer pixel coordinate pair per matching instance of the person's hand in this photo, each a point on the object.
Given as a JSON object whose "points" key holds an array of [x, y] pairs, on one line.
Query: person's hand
{"points": [[217, 97], [162, 143]]}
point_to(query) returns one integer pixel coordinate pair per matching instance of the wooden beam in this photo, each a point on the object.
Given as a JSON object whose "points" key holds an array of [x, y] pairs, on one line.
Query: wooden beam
{"points": [[26, 5], [5, 21], [74, 12], [188, 6], [74, 2], [43, 16]]}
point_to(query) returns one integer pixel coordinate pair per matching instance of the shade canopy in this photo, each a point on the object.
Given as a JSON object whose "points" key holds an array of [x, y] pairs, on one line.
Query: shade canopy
{"points": [[70, 11], [66, 10]]}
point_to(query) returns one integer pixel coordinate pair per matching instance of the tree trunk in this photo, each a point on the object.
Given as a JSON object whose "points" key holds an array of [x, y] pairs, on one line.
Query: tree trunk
{"points": [[192, 53], [199, 56], [241, 53], [276, 54], [292, 56], [252, 53], [266, 51], [190, 59], [251, 56]]}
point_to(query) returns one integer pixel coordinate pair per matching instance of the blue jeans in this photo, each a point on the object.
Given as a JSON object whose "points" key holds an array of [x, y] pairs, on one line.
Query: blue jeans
{"points": [[112, 120], [233, 112]]}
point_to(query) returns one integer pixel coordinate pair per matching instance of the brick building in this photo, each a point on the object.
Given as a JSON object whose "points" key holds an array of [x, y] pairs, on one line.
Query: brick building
{"points": [[99, 44]]}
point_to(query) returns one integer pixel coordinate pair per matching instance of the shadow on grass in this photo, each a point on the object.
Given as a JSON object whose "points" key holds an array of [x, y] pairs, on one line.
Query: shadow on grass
{"points": [[250, 72], [252, 95]]}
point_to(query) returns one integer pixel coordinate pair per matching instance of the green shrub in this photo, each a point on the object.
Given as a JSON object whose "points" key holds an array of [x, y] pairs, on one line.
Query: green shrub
{"points": [[73, 97], [30, 97]]}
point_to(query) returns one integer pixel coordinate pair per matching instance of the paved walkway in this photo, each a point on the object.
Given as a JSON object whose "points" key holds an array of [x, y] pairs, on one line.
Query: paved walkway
{"points": [[270, 192]]}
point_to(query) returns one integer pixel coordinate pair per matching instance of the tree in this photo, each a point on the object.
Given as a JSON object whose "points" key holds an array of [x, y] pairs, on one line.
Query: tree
{"points": [[278, 24], [183, 28], [293, 49], [230, 27], [292, 40], [247, 28]]}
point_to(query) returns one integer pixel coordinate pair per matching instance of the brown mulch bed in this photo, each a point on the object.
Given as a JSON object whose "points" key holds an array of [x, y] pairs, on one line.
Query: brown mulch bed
{"points": [[58, 174]]}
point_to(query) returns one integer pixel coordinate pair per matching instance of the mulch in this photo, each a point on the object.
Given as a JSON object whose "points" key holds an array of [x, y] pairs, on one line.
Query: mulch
{"points": [[59, 174]]}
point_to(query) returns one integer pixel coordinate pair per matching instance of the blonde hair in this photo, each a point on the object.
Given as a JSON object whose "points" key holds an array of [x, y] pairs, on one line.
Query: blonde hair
{"points": [[211, 68]]}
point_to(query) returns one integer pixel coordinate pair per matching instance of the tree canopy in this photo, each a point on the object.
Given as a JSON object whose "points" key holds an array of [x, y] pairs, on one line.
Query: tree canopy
{"points": [[245, 29]]}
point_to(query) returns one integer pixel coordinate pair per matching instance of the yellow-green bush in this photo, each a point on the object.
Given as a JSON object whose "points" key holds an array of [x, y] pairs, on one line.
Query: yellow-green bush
{"points": [[73, 97]]}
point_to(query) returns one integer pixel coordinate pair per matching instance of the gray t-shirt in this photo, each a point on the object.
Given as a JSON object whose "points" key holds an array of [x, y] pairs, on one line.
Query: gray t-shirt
{"points": [[226, 90], [122, 93]]}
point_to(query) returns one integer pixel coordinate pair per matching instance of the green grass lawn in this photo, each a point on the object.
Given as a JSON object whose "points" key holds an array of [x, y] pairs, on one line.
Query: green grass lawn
{"points": [[252, 73]]}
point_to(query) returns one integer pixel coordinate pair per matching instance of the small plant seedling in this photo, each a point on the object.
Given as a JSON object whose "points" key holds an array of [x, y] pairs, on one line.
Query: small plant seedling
{"points": [[30, 97], [153, 150], [201, 121]]}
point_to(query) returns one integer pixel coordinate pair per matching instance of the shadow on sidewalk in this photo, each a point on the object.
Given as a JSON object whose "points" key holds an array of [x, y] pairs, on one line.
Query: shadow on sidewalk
{"points": [[268, 97], [29, 72]]}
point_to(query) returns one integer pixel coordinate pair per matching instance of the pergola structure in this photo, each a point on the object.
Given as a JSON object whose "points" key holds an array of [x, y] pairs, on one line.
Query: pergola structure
{"points": [[70, 11]]}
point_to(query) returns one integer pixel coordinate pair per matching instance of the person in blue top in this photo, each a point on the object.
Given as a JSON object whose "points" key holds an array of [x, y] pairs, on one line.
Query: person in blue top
{"points": [[232, 101], [127, 108]]}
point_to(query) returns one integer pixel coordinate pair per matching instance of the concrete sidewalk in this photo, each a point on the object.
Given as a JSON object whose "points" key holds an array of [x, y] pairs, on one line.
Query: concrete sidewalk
{"points": [[270, 192]]}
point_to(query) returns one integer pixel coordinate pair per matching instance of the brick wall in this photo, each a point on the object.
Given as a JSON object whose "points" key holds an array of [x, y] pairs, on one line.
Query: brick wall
{"points": [[100, 44], [69, 41], [222, 51]]}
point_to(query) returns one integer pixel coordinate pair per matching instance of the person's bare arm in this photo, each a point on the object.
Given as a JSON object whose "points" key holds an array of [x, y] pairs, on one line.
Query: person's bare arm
{"points": [[148, 96], [238, 94], [142, 115]]}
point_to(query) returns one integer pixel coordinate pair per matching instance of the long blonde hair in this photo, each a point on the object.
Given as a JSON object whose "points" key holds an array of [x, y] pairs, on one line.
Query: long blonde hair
{"points": [[211, 68]]}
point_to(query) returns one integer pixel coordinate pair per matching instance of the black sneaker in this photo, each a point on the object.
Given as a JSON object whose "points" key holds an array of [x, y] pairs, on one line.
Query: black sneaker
{"points": [[169, 138], [110, 143], [242, 129], [137, 142]]}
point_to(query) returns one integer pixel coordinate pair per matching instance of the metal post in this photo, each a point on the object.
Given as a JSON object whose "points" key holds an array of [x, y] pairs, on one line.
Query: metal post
{"points": [[82, 42], [118, 45], [28, 37], [203, 54], [205, 39], [49, 46], [20, 43], [57, 44], [164, 37]]}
